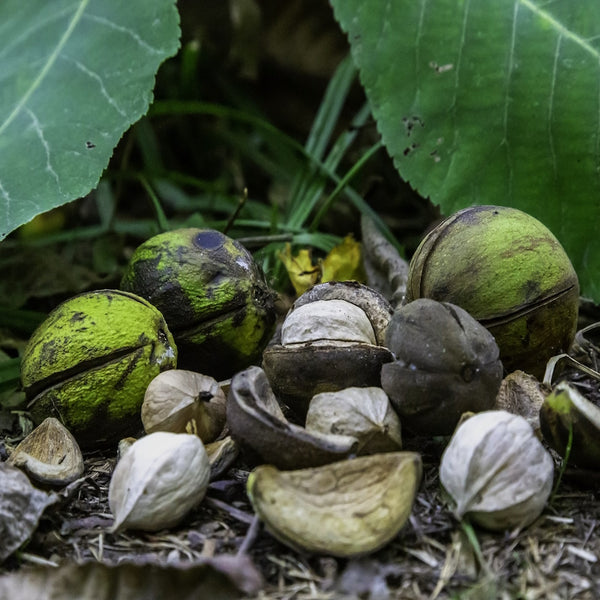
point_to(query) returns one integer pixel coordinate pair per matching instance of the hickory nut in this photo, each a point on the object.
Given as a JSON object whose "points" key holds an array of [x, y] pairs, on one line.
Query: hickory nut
{"points": [[257, 422], [497, 471], [160, 478], [332, 338], [89, 363], [364, 413], [213, 295], [184, 401], [445, 364]]}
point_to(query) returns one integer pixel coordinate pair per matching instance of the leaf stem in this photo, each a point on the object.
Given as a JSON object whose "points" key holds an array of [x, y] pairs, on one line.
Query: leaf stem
{"points": [[564, 463]]}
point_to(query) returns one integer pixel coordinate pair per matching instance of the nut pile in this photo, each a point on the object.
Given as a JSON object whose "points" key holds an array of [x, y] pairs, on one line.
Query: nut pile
{"points": [[330, 408]]}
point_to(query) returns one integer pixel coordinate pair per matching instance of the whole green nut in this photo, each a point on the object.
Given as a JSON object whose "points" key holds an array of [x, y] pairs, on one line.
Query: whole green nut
{"points": [[509, 272], [212, 294], [446, 364], [90, 362]]}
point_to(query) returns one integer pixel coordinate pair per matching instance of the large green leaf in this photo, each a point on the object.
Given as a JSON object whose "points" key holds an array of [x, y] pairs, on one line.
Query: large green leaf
{"points": [[491, 102], [74, 75]]}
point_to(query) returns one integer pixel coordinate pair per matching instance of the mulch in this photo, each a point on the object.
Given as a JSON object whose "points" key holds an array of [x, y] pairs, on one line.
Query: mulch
{"points": [[434, 556]]}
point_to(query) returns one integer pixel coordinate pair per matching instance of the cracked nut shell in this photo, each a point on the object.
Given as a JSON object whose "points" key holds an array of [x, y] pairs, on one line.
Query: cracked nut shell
{"points": [[332, 338], [446, 364]]}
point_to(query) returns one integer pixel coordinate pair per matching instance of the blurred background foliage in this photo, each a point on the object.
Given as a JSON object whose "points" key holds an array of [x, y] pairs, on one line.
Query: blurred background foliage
{"points": [[259, 128]]}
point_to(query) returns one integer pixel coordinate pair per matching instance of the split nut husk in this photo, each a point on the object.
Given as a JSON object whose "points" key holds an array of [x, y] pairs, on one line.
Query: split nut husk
{"points": [[445, 364], [347, 508], [213, 295], [521, 394], [510, 273], [158, 481], [565, 414], [497, 471], [180, 400], [90, 362], [49, 455], [257, 422], [221, 456], [331, 338]]}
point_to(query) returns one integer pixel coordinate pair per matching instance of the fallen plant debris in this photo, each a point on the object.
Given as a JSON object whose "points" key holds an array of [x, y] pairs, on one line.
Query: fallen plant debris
{"points": [[432, 557], [212, 153], [220, 548]]}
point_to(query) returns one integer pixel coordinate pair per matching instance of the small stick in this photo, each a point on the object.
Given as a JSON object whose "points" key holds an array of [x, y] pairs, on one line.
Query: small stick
{"points": [[236, 513], [251, 536], [383, 264], [237, 210]]}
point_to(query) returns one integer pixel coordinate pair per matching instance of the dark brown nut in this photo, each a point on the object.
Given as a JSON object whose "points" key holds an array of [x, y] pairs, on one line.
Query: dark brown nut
{"points": [[256, 422], [446, 364]]}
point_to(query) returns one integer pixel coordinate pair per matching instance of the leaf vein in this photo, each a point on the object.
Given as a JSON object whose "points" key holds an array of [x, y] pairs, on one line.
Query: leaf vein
{"points": [[560, 28], [126, 30], [47, 66], [461, 46], [99, 81], [551, 106], [418, 36], [8, 201], [40, 133], [509, 74]]}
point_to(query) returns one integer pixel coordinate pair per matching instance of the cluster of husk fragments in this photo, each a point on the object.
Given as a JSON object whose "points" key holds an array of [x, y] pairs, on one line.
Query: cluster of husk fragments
{"points": [[220, 548]]}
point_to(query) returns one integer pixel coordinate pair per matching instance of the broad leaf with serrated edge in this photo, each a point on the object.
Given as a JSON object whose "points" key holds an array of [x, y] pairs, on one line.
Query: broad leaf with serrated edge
{"points": [[483, 102], [74, 75]]}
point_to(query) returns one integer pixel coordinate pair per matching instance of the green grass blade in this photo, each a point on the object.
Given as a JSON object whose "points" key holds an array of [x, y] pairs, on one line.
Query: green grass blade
{"points": [[330, 109], [302, 198], [342, 184]]}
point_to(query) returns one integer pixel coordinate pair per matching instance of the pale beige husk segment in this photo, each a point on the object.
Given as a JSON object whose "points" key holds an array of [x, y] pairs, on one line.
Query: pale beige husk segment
{"points": [[49, 454], [346, 508]]}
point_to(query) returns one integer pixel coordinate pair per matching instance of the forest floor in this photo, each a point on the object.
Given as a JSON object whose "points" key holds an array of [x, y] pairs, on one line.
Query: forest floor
{"points": [[432, 557]]}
